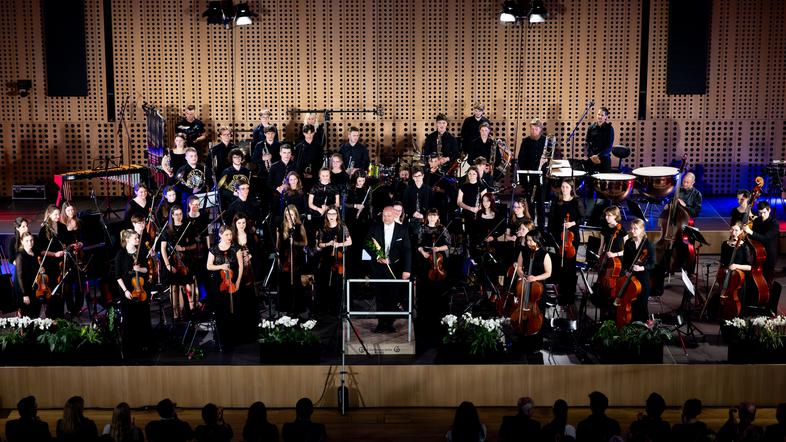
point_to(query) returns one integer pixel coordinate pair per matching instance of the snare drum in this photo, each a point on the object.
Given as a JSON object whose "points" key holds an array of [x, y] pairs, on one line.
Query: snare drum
{"points": [[613, 186], [656, 182]]}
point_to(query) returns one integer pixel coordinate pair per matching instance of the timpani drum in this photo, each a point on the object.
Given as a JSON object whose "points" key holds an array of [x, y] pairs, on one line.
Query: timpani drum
{"points": [[557, 176], [656, 182], [613, 186]]}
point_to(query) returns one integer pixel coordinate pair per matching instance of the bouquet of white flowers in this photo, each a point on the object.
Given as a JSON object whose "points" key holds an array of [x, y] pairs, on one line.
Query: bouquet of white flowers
{"points": [[286, 330], [482, 336]]}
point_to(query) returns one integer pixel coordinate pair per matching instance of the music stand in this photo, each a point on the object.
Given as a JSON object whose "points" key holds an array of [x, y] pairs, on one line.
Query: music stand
{"points": [[207, 200]]}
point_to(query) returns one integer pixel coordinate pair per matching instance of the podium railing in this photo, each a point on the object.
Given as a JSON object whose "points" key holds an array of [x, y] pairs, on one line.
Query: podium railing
{"points": [[406, 313]]}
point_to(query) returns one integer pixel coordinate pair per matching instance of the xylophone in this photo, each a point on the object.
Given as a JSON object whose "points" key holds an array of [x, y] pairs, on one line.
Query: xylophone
{"points": [[129, 175]]}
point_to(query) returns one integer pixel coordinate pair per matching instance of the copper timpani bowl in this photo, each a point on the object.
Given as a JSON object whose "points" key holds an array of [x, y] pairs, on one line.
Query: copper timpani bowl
{"points": [[656, 182], [613, 186]]}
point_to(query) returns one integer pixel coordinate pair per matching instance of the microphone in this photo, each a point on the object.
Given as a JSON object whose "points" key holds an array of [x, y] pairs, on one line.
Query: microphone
{"points": [[592, 102]]}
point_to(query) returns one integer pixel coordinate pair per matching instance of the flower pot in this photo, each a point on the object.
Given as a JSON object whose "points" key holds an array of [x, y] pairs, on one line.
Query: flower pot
{"points": [[645, 354], [458, 353], [295, 354], [747, 352]]}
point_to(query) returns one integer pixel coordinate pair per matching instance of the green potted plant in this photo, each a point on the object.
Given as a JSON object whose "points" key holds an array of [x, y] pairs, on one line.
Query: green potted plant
{"points": [[755, 340], [287, 340], [472, 339], [637, 342]]}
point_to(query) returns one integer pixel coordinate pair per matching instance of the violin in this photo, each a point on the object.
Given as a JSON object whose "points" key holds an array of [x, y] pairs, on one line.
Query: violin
{"points": [[757, 269], [138, 292], [437, 270], [228, 281], [568, 249], [42, 283], [527, 319], [610, 268], [338, 258], [731, 306], [629, 288]]}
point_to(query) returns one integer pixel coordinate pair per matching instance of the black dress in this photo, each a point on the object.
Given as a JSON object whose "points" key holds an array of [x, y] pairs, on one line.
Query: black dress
{"points": [[431, 301], [133, 208], [136, 325], [53, 266], [567, 275], [640, 312], [170, 237], [329, 281], [26, 268], [291, 262], [223, 303]]}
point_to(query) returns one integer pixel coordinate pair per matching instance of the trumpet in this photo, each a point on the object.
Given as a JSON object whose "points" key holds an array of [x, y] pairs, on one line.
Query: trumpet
{"points": [[265, 151]]}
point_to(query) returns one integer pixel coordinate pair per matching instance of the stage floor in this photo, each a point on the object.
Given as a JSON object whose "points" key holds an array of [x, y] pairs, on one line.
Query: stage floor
{"points": [[705, 349]]}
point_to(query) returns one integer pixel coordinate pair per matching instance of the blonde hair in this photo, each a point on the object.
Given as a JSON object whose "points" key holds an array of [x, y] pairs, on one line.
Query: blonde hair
{"points": [[125, 234], [640, 224]]}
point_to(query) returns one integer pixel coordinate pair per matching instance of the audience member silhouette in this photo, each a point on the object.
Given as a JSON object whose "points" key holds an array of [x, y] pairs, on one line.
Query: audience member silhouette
{"points": [[214, 428], [558, 429], [258, 428], [597, 427], [28, 428], [74, 426], [744, 429], [169, 428], [777, 432], [302, 429], [122, 428], [691, 429], [649, 427], [521, 426], [466, 425]]}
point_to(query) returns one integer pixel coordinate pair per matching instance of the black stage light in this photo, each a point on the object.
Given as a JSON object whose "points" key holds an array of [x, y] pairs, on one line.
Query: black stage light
{"points": [[538, 12], [243, 15]]}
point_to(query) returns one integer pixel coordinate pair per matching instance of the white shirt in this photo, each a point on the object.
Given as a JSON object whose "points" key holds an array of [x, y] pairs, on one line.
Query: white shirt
{"points": [[389, 236]]}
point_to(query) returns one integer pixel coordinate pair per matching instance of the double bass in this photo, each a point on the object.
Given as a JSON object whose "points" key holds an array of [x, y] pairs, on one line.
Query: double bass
{"points": [[757, 272], [731, 306], [671, 223], [526, 318], [609, 268], [629, 288]]}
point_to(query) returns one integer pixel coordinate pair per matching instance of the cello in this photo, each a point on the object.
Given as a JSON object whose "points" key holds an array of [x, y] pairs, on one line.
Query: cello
{"points": [[731, 306], [610, 267], [757, 275], [671, 224], [629, 288], [527, 319]]}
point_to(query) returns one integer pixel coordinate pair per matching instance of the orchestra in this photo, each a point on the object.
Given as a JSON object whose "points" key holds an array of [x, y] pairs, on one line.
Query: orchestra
{"points": [[293, 216]]}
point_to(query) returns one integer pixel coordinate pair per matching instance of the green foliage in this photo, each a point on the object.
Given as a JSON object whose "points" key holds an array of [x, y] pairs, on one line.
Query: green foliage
{"points": [[286, 330], [481, 336], [632, 335]]}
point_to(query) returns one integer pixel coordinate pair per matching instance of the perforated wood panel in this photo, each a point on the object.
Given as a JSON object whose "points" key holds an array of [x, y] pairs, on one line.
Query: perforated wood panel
{"points": [[417, 59]]}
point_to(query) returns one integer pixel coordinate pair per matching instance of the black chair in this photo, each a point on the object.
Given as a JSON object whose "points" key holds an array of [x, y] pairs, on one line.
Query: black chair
{"points": [[620, 152]]}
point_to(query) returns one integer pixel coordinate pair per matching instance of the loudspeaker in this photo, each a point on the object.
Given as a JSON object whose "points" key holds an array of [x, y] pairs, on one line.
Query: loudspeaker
{"points": [[64, 45], [686, 65]]}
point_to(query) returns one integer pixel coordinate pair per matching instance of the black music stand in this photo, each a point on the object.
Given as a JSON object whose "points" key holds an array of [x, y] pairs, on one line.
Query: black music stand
{"points": [[686, 309], [104, 164]]}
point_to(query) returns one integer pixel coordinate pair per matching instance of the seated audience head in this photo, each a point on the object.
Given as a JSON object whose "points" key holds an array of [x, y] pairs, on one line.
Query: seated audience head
{"points": [[27, 407], [466, 422], [780, 413], [691, 409], [560, 410], [166, 408], [73, 414], [257, 412], [525, 406], [304, 409], [210, 414], [656, 405], [598, 402], [747, 412]]}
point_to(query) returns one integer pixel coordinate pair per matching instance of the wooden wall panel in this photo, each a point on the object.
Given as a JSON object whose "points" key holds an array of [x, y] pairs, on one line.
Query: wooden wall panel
{"points": [[416, 59], [394, 385]]}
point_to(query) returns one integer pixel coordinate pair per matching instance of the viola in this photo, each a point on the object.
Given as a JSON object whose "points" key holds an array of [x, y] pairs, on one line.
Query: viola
{"points": [[568, 249], [527, 319], [730, 303], [42, 283], [178, 266], [757, 269], [138, 292], [610, 268], [629, 289], [437, 270]]}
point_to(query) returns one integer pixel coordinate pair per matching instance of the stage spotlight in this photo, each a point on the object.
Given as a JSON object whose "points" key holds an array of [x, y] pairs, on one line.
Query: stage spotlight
{"points": [[508, 12], [214, 13], [24, 87], [243, 15], [538, 12]]}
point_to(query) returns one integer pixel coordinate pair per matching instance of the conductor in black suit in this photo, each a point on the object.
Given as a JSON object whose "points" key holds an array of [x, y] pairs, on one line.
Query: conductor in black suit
{"points": [[393, 241]]}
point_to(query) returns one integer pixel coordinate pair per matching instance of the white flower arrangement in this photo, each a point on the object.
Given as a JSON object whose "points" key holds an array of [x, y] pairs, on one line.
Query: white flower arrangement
{"points": [[481, 335], [286, 330], [767, 331], [24, 322]]}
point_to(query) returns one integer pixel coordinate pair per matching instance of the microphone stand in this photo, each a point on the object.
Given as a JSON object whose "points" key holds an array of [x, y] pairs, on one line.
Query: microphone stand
{"points": [[109, 238], [575, 128]]}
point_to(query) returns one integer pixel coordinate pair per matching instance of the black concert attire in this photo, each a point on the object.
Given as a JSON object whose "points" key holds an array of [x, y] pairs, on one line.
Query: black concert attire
{"points": [[357, 153], [249, 207], [599, 141], [291, 261], [245, 299], [171, 236], [53, 266], [445, 145], [399, 254], [736, 215], [397, 189], [607, 232], [485, 149], [319, 139], [530, 154], [277, 177], [27, 429], [471, 197], [14, 245], [340, 180], [470, 130], [767, 232], [133, 208], [136, 327], [329, 281], [744, 256], [259, 149], [24, 276], [217, 158], [639, 306], [567, 277], [163, 209], [223, 303], [176, 161], [431, 303], [308, 158], [72, 286], [692, 199], [199, 256], [296, 198], [538, 260], [324, 195], [230, 175], [193, 130], [358, 227], [201, 184], [258, 134], [417, 199], [485, 227]]}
